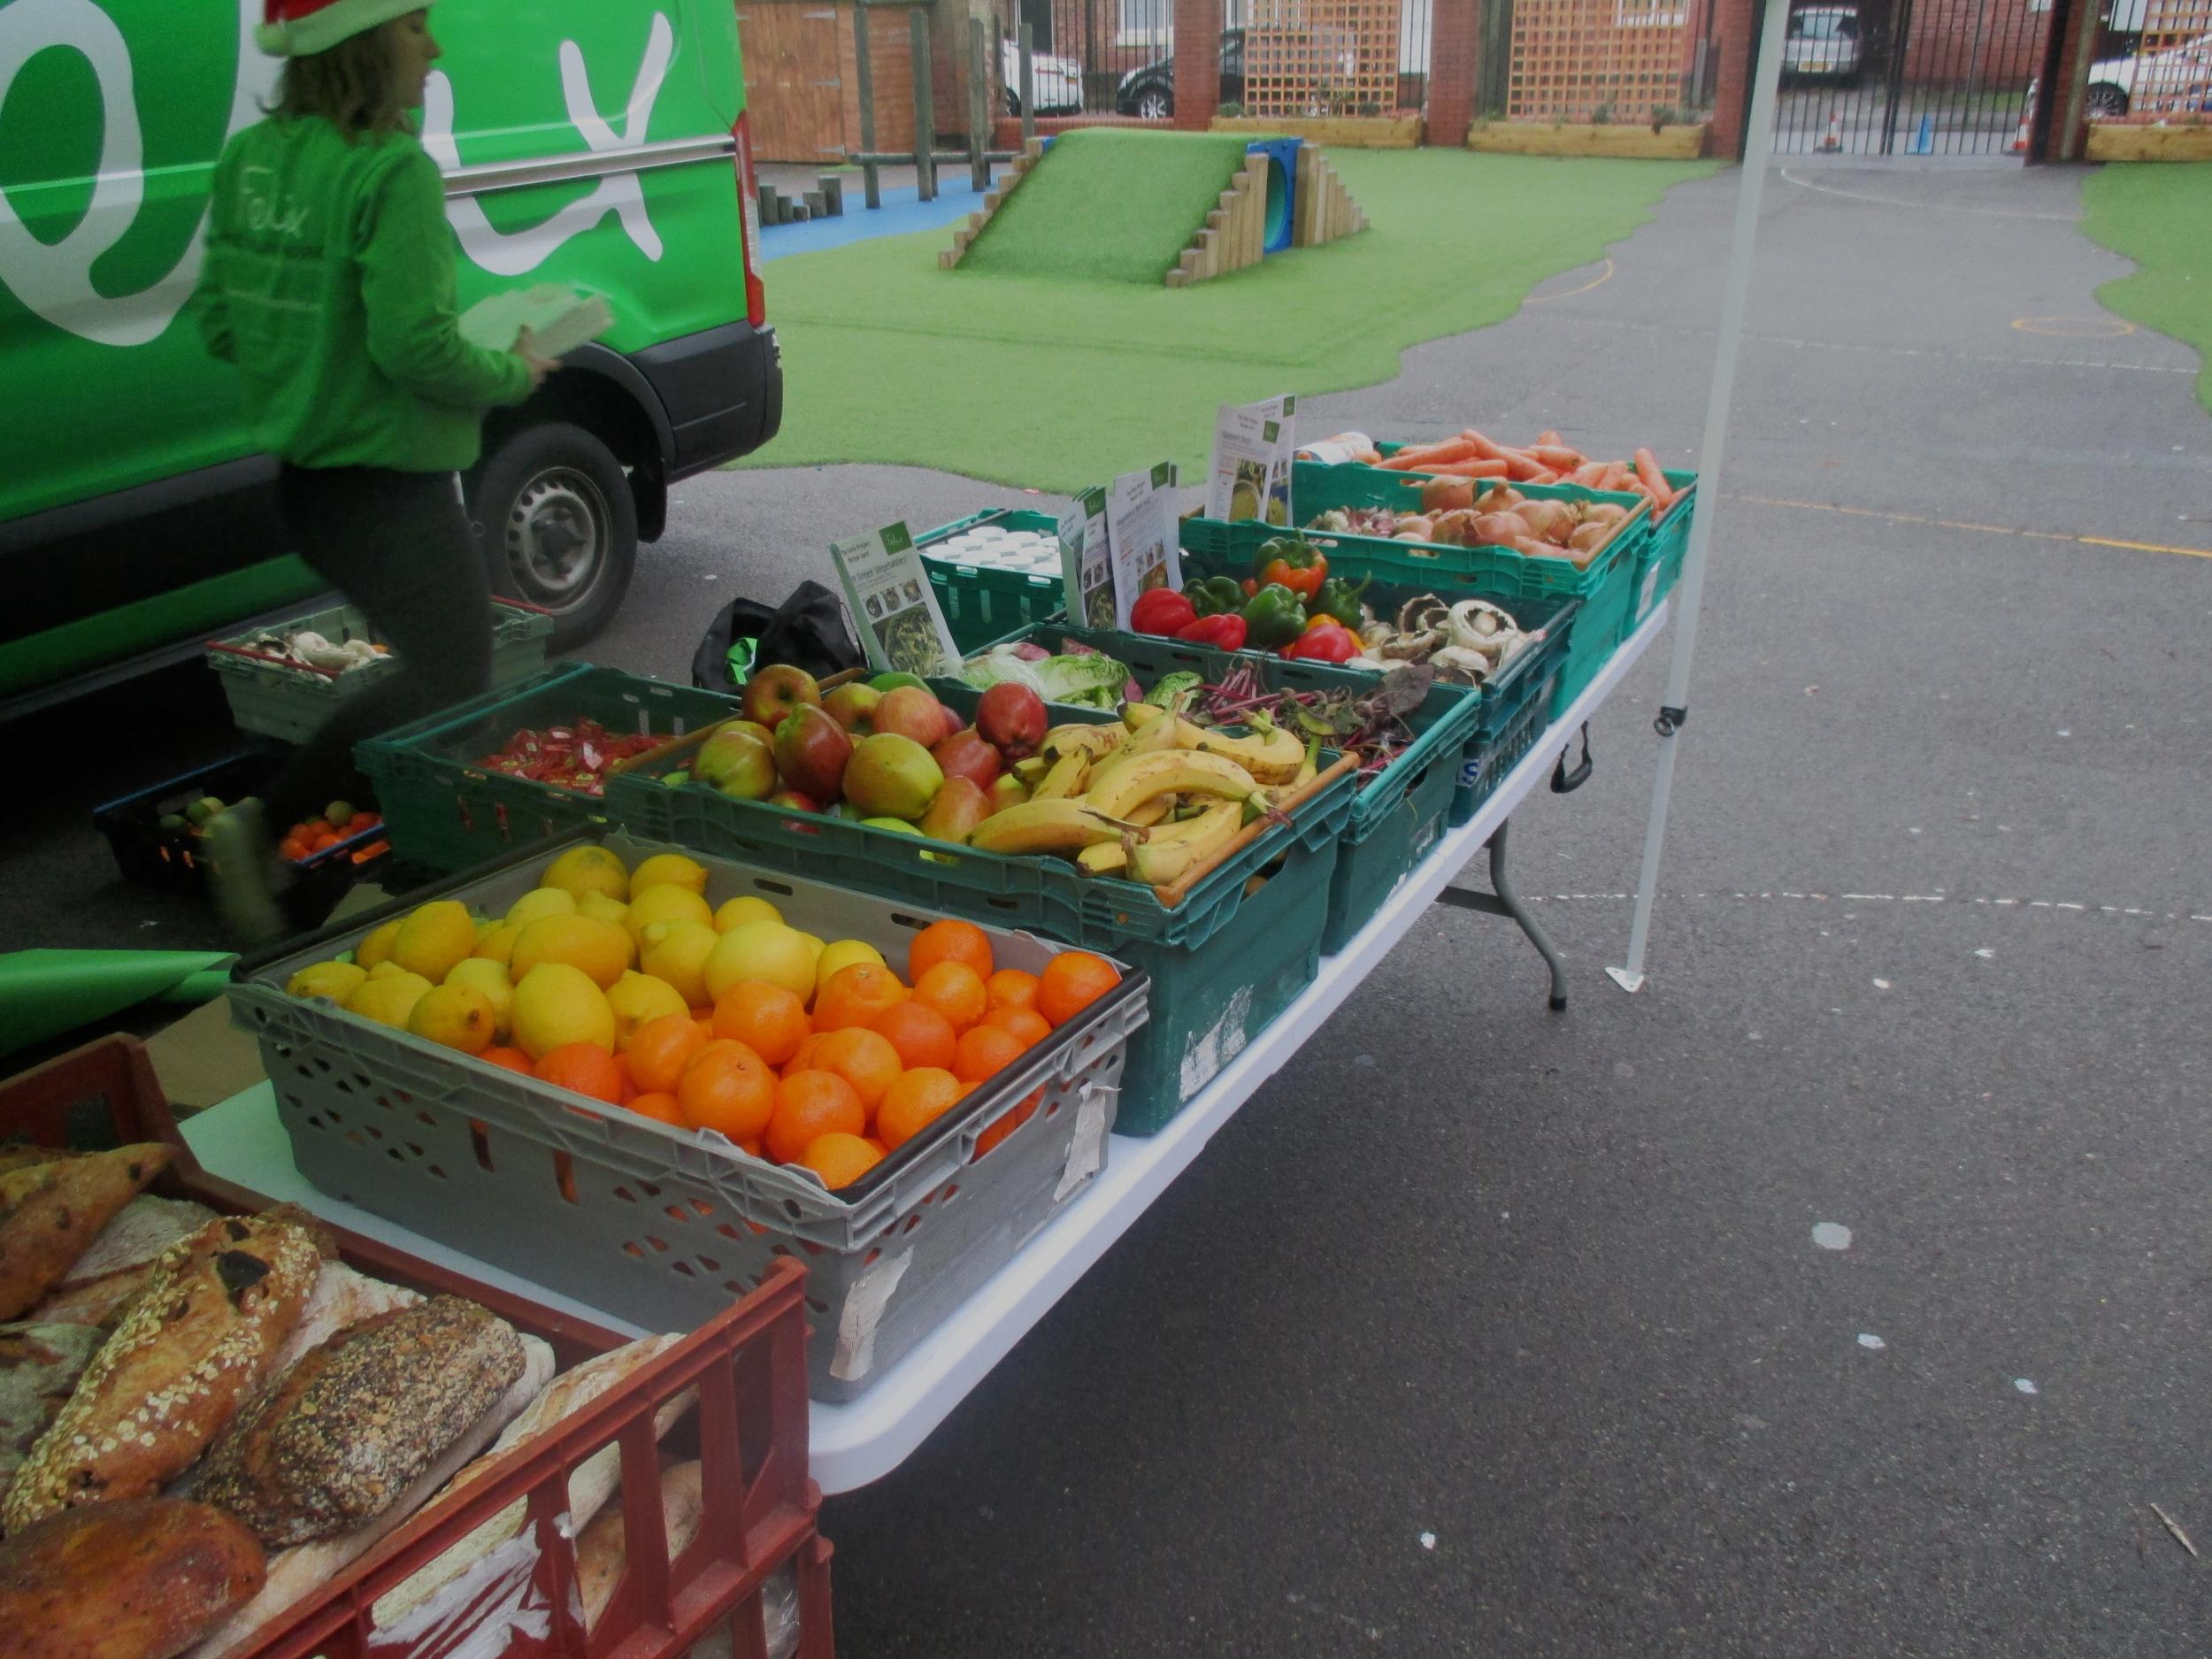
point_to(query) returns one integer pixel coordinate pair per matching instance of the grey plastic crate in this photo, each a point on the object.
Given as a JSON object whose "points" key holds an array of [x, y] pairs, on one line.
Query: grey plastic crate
{"points": [[287, 701], [664, 1226]]}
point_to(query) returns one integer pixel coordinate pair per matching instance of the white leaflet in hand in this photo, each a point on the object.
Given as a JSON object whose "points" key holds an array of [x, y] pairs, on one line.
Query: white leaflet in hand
{"points": [[1086, 569], [893, 608], [559, 320], [1140, 536]]}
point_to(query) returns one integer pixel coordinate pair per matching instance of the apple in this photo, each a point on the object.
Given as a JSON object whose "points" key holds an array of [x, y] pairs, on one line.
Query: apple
{"points": [[1006, 790], [792, 801], [854, 707], [888, 683], [735, 761], [773, 692], [890, 776], [959, 807], [953, 722], [811, 750], [965, 754], [1011, 718], [911, 711]]}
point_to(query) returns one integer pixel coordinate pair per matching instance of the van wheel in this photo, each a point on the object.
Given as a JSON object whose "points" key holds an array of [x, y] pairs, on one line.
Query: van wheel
{"points": [[558, 526]]}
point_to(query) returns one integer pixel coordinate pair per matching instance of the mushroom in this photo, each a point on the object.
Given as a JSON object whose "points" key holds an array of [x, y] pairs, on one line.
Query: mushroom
{"points": [[1460, 665], [1422, 612], [1478, 625], [1411, 647]]}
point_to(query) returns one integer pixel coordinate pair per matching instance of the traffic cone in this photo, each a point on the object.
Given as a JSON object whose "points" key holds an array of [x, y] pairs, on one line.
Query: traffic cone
{"points": [[1835, 141], [2020, 138]]}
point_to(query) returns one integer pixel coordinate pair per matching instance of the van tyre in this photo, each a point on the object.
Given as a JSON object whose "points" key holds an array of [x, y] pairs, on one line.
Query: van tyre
{"points": [[558, 526]]}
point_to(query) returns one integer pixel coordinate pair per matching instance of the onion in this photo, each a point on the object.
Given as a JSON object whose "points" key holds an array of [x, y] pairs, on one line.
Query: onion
{"points": [[1590, 537], [1547, 521], [1497, 529], [1498, 498], [1604, 513]]}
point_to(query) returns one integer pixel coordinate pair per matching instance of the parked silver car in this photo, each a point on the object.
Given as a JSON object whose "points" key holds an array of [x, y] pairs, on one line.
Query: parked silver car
{"points": [[1823, 44], [1057, 83]]}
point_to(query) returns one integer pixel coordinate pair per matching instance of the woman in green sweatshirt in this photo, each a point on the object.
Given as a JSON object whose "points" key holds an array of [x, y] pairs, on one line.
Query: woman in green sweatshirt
{"points": [[329, 283]]}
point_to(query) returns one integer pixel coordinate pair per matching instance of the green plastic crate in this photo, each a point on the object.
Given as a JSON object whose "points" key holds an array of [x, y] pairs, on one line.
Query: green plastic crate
{"points": [[1478, 779], [288, 702], [981, 604], [1223, 963], [1661, 567], [446, 813]]}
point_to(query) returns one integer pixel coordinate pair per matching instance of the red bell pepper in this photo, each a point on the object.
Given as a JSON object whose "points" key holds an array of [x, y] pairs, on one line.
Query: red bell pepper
{"points": [[1332, 643], [1224, 633], [1162, 611]]}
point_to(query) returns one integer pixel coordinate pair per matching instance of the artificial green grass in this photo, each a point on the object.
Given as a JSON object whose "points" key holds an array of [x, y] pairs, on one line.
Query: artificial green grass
{"points": [[1057, 384], [1109, 203], [2159, 214]]}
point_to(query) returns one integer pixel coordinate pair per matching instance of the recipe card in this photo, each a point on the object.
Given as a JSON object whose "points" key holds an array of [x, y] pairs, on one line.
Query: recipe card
{"points": [[894, 607], [1087, 568], [1252, 456], [1140, 536]]}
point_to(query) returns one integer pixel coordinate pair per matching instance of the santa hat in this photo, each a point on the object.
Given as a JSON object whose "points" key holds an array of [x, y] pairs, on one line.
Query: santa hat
{"points": [[298, 28]]}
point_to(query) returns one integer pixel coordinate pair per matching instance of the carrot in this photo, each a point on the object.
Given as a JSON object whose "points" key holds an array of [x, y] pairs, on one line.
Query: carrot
{"points": [[1543, 438], [1524, 468], [1485, 447], [1589, 474], [1558, 457], [1466, 469], [1429, 456], [1616, 476], [1656, 481]]}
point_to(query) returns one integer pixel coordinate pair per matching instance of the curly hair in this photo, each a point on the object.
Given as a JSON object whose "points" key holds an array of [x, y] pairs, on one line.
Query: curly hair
{"points": [[349, 86]]}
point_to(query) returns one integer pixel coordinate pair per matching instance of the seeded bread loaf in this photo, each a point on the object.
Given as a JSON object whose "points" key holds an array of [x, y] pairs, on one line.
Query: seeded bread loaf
{"points": [[50, 1213], [192, 1349], [333, 1442], [137, 1580]]}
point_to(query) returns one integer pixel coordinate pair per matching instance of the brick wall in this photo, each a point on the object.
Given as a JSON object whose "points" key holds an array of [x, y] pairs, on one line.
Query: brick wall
{"points": [[1455, 33], [1733, 22], [1995, 43], [1197, 63]]}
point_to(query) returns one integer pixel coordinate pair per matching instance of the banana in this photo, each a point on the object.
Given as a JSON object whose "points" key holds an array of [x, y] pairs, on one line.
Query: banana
{"points": [[1150, 812], [1122, 784], [1137, 716], [1064, 781], [1111, 858], [1151, 738], [1047, 826], [1271, 758], [1063, 740], [1032, 769], [1162, 865]]}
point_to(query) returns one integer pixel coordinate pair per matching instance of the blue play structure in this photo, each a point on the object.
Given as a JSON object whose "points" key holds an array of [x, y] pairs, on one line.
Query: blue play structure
{"points": [[1282, 187]]}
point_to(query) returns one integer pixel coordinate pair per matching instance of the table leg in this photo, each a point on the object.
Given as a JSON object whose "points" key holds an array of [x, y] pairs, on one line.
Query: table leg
{"points": [[1507, 902]]}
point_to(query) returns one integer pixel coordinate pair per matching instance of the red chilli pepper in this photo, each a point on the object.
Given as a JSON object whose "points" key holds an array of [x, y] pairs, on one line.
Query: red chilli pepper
{"points": [[1162, 611], [1224, 633], [1335, 644]]}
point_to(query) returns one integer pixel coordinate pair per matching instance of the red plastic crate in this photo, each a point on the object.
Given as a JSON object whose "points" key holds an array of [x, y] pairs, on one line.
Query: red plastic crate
{"points": [[749, 1430]]}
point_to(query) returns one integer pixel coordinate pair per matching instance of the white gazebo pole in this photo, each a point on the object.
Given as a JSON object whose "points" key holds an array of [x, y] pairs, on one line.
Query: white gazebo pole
{"points": [[1674, 713]]}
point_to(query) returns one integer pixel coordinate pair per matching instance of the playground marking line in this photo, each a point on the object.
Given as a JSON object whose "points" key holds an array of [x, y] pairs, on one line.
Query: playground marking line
{"points": [[1940, 207], [1966, 524], [2075, 328], [1597, 281]]}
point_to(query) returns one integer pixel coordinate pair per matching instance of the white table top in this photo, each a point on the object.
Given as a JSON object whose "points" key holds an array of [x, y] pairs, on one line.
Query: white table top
{"points": [[865, 1439]]}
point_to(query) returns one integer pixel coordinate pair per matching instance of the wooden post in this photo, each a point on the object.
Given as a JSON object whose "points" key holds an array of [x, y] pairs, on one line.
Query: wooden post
{"points": [[1026, 40], [924, 109], [865, 88], [978, 109]]}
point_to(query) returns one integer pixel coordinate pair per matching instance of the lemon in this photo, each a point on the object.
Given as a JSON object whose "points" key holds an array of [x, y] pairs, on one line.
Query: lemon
{"points": [[377, 946], [486, 926], [600, 908], [541, 902], [582, 870], [748, 908], [669, 869], [499, 944], [491, 978], [336, 980], [435, 937], [817, 945], [635, 998], [677, 951], [667, 902], [600, 948], [389, 998], [761, 951], [456, 1016], [556, 1003], [843, 954]]}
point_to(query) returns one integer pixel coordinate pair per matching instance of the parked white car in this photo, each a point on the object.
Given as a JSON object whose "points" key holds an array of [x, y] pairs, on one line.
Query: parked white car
{"points": [[1057, 81], [1823, 44], [2171, 83]]}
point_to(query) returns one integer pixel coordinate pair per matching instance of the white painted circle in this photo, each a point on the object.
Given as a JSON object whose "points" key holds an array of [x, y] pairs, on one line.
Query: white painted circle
{"points": [[1831, 1235]]}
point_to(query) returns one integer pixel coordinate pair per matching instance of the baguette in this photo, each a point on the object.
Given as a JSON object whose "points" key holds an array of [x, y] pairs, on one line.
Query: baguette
{"points": [[330, 1445], [603, 1551], [299, 1573], [190, 1350], [134, 1579], [50, 1213], [107, 1277], [39, 1368]]}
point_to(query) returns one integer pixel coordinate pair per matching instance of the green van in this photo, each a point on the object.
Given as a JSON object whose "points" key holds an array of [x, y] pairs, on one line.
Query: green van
{"points": [[597, 144]]}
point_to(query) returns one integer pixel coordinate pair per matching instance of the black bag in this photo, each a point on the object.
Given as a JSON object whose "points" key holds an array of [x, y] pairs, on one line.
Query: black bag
{"points": [[808, 630]]}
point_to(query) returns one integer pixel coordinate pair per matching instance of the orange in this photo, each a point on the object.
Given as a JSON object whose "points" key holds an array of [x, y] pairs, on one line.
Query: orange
{"points": [[1007, 1125], [658, 1106], [766, 1019], [855, 995], [1071, 982], [1025, 1022], [914, 1101], [660, 1049], [810, 1105], [948, 941], [584, 1067], [513, 1059], [921, 1034], [985, 1052], [804, 1059], [629, 1078], [729, 1089], [864, 1058], [955, 990], [840, 1159], [1010, 988]]}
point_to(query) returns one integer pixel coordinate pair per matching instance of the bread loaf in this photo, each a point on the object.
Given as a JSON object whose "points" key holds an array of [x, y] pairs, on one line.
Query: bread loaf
{"points": [[108, 1276], [139, 1579], [342, 1297], [20, 1155], [333, 1442], [191, 1349], [602, 1550], [50, 1213], [39, 1368]]}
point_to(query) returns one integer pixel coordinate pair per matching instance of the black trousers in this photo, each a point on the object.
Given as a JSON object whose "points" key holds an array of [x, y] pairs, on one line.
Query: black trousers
{"points": [[399, 546]]}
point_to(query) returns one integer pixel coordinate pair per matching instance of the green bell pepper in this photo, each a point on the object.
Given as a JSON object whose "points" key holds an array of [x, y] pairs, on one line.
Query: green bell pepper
{"points": [[1273, 617], [1215, 596], [1340, 599]]}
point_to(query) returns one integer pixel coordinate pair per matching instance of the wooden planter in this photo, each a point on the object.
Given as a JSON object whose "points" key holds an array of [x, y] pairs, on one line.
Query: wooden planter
{"points": [[1348, 132], [1686, 142], [2110, 141]]}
